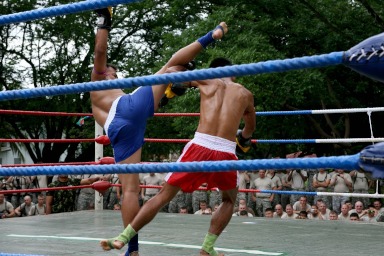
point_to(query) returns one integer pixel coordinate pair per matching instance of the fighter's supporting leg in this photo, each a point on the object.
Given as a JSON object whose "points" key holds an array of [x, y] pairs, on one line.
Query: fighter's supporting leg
{"points": [[130, 190], [145, 215], [219, 221]]}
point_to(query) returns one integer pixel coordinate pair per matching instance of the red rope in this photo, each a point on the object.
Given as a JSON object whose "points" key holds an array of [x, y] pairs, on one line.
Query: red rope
{"points": [[48, 140], [200, 188], [32, 190], [103, 160], [41, 113], [92, 186], [88, 140], [48, 164]]}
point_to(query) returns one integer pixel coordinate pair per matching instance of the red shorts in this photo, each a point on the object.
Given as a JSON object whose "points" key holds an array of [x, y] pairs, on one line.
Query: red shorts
{"points": [[189, 182]]}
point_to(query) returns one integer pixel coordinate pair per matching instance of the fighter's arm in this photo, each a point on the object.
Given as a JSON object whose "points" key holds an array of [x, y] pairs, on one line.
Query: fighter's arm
{"points": [[249, 117], [101, 44], [189, 52]]}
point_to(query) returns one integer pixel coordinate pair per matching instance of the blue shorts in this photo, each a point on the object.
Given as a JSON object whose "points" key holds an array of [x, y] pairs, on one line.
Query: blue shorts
{"points": [[127, 120]]}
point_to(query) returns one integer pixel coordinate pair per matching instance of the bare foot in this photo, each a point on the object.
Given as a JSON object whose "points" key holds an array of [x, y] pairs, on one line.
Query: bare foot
{"points": [[111, 244], [218, 33]]}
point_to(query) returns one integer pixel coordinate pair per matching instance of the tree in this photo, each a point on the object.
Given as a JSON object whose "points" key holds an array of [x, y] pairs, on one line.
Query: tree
{"points": [[50, 51]]}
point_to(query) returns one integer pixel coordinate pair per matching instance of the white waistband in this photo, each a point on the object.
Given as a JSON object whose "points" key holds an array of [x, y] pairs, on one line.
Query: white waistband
{"points": [[214, 142], [111, 115]]}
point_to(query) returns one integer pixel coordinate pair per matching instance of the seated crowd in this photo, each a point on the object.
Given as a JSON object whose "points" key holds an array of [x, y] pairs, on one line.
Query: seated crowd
{"points": [[252, 203]]}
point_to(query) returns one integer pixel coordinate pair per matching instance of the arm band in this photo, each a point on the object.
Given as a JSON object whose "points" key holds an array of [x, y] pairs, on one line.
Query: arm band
{"points": [[99, 73]]}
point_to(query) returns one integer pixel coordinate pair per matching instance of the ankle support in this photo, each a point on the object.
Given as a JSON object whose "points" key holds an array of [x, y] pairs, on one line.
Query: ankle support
{"points": [[208, 38], [208, 244]]}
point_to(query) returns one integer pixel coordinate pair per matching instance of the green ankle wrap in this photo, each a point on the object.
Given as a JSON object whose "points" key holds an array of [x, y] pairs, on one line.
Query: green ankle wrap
{"points": [[208, 244], [127, 234]]}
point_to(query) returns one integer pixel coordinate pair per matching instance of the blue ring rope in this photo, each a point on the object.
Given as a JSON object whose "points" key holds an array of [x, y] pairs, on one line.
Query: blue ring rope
{"points": [[270, 66], [344, 162], [60, 10]]}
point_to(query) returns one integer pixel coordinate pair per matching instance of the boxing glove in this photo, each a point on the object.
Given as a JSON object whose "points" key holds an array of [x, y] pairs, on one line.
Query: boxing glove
{"points": [[104, 20], [242, 144]]}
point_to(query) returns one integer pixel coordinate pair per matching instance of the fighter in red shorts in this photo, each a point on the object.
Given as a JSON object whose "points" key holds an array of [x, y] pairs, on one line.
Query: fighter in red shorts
{"points": [[223, 103]]}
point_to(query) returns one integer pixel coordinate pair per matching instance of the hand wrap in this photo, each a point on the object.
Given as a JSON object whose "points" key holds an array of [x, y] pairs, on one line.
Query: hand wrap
{"points": [[104, 20]]}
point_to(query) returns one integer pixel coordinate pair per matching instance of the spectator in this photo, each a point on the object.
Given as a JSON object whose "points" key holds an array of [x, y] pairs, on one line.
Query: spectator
{"points": [[183, 210], [117, 207], [360, 184], [244, 202], [378, 206], [333, 215], [39, 181], [359, 209], [268, 213], [6, 208], [17, 183], [311, 173], [215, 208], [214, 197], [369, 215], [279, 213], [63, 200], [320, 183], [290, 213], [244, 213], [263, 200], [177, 202], [298, 178], [344, 215], [278, 185], [302, 215], [199, 195], [315, 214], [86, 198], [253, 175], [349, 204], [113, 195], [342, 183], [24, 209], [324, 211], [39, 208], [150, 180], [242, 209], [208, 211], [5, 185], [243, 181], [301, 205], [203, 208], [318, 202], [354, 217], [287, 186]]}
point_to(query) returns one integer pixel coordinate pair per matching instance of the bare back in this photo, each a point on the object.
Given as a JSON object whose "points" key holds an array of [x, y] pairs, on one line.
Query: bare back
{"points": [[222, 106], [102, 100]]}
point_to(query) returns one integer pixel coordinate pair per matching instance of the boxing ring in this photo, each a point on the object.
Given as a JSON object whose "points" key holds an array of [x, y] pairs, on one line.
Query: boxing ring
{"points": [[176, 234], [78, 233]]}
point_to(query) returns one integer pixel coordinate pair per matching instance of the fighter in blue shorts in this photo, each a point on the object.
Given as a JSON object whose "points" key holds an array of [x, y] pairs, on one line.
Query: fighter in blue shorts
{"points": [[124, 116], [124, 127]]}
